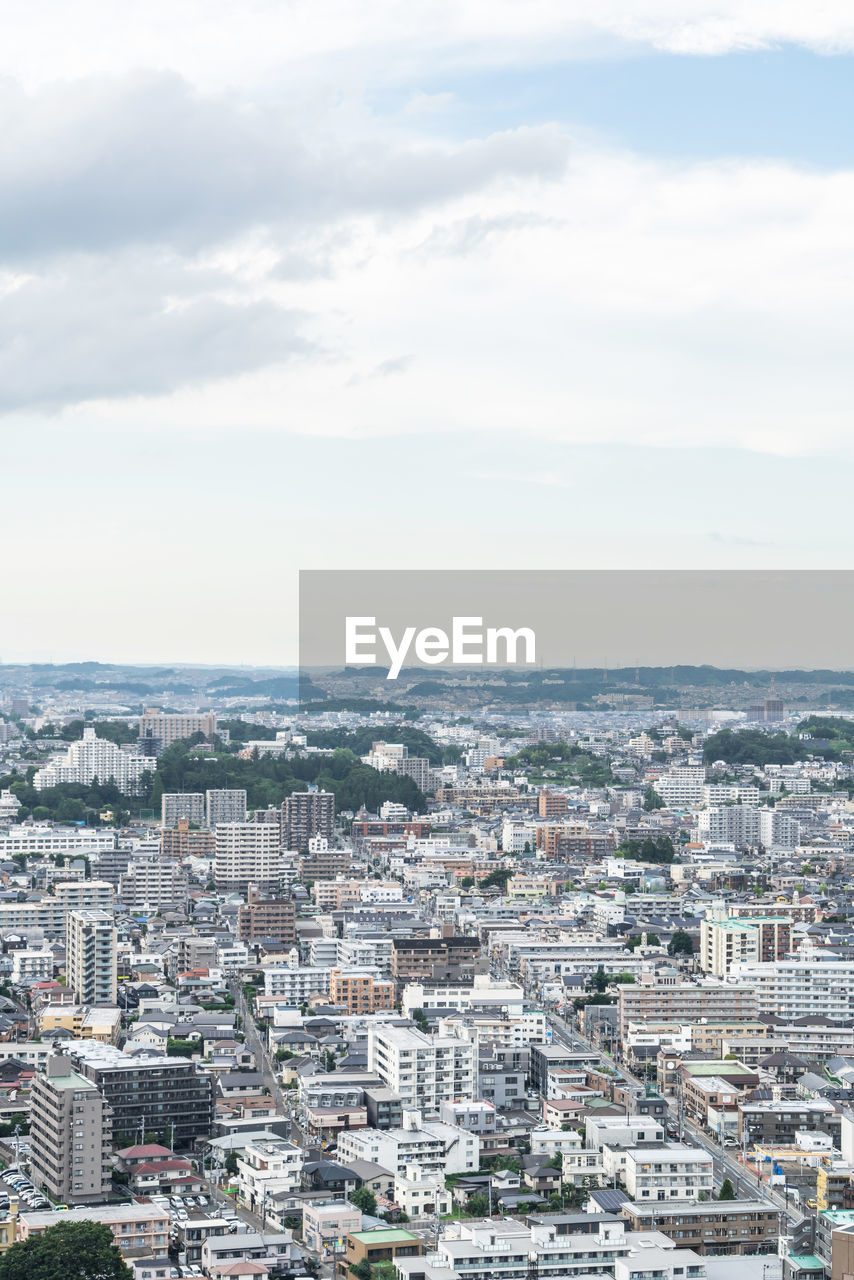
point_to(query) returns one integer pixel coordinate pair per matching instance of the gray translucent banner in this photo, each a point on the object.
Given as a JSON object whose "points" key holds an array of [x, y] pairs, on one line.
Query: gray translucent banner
{"points": [[398, 620]]}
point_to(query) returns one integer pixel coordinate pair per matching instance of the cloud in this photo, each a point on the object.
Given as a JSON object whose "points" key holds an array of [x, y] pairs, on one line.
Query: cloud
{"points": [[105, 163], [129, 327], [261, 43]]}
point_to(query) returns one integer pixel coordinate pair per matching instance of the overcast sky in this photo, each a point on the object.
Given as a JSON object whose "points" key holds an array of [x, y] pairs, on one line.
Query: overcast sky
{"points": [[411, 284]]}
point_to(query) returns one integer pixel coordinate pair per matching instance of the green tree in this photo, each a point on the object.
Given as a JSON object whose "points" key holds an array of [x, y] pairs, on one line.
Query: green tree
{"points": [[419, 1017], [726, 1192], [68, 1251], [680, 944], [478, 1205], [361, 1269], [231, 1163], [599, 981], [365, 1200], [652, 800]]}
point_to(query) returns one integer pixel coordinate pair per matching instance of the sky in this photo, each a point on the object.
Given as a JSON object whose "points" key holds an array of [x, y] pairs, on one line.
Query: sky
{"points": [[327, 284]]}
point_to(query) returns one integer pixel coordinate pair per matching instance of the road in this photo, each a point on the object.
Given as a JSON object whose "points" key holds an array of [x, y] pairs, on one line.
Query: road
{"points": [[262, 1058], [745, 1183]]}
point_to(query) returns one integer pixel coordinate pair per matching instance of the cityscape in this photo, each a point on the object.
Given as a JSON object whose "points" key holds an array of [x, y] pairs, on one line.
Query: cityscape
{"points": [[456, 986]]}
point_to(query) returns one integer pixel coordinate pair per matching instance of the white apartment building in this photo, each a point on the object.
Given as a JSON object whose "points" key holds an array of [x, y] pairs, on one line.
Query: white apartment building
{"points": [[268, 1164], [295, 985], [668, 1171], [435, 1147], [421, 1194], [365, 953], [153, 882], [501, 1249], [626, 1130], [719, 793], [424, 1071], [32, 963], [684, 785], [515, 835], [49, 840], [811, 983], [247, 853], [182, 804], [226, 805], [484, 993], [84, 895], [91, 957], [740, 824], [90, 758]]}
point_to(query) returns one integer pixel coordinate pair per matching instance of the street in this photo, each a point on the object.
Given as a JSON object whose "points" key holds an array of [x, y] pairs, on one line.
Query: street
{"points": [[745, 1183]]}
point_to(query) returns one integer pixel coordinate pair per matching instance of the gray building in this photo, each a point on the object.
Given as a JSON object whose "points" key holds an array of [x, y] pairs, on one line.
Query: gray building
{"points": [[177, 804], [71, 1135], [224, 806]]}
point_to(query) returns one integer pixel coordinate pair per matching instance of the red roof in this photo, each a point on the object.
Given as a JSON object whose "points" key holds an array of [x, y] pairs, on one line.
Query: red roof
{"points": [[139, 1152], [163, 1166]]}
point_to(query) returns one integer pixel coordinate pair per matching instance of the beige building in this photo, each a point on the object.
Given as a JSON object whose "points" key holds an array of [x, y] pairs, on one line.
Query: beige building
{"points": [[247, 853], [81, 1022], [160, 729], [71, 1133], [683, 1002], [92, 957]]}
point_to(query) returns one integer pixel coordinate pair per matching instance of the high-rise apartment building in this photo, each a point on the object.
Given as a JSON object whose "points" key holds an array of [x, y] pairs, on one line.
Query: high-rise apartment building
{"points": [[177, 804], [306, 814], [267, 918], [153, 882], [70, 1135], [423, 1070], [159, 729], [224, 806], [90, 758], [170, 1096], [247, 853], [183, 843], [91, 957]]}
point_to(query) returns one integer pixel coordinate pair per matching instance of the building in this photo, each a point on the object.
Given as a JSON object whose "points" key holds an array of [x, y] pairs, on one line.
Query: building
{"points": [[295, 985], [306, 814], [159, 729], [247, 853], [266, 918], [668, 1171], [153, 882], [176, 804], [268, 1164], [724, 943], [742, 825], [71, 1135], [420, 1194], [360, 992], [94, 758], [170, 1096], [185, 843], [710, 1228], [424, 1071], [381, 1244], [55, 840], [138, 1229], [425, 959], [775, 1124], [813, 983], [92, 957], [81, 1022], [327, 1223], [322, 862], [683, 1002], [227, 805]]}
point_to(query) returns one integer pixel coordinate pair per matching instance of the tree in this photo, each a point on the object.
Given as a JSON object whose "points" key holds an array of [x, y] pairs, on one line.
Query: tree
{"points": [[419, 1017], [361, 1269], [231, 1163], [478, 1205], [726, 1192], [365, 1200], [652, 800], [68, 1251], [467, 882], [680, 944], [599, 981]]}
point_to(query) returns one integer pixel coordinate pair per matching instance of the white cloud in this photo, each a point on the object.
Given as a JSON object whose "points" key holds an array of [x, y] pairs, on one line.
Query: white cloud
{"points": [[216, 43], [644, 303]]}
